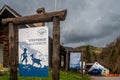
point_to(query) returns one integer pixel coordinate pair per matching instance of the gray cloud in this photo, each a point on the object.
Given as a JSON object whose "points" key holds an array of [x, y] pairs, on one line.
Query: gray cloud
{"points": [[95, 22]]}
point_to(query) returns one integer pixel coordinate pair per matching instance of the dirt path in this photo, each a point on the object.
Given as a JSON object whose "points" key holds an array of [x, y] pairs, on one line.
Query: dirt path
{"points": [[104, 78]]}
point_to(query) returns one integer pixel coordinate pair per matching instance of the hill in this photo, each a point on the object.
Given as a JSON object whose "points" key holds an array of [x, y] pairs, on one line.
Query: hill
{"points": [[110, 56], [90, 52]]}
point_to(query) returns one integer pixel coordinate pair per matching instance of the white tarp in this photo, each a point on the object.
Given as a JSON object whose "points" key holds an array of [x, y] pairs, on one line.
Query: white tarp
{"points": [[96, 65]]}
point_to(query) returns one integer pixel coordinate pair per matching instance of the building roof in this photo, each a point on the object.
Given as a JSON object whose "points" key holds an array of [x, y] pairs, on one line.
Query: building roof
{"points": [[8, 12], [6, 7]]}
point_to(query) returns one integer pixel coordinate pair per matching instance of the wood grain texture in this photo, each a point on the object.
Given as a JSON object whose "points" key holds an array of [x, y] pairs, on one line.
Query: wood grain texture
{"points": [[47, 17], [12, 53], [56, 49]]}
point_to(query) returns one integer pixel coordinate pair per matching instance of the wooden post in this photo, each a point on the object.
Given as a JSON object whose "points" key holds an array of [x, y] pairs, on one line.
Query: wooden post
{"points": [[40, 11], [56, 49], [12, 53], [67, 61], [82, 63]]}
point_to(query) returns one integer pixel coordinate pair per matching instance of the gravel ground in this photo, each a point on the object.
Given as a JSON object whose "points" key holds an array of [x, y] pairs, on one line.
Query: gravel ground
{"points": [[104, 78]]}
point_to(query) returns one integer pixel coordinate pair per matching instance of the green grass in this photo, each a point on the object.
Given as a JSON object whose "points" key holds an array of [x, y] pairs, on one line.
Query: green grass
{"points": [[63, 76]]}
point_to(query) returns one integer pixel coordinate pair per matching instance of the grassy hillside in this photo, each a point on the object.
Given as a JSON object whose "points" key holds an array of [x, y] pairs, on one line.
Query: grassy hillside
{"points": [[90, 52], [108, 56]]}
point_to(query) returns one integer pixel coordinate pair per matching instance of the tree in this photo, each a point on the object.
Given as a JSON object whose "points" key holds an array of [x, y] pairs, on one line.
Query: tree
{"points": [[88, 54]]}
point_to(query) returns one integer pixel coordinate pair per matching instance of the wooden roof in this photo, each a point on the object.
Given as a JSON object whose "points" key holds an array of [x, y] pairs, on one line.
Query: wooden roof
{"points": [[8, 12], [9, 9]]}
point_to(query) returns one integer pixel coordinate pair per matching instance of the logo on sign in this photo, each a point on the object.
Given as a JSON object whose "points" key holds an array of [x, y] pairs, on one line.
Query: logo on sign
{"points": [[41, 32]]}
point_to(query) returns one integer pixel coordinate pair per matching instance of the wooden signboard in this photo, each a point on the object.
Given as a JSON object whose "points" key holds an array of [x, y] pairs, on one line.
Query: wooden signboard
{"points": [[54, 17]]}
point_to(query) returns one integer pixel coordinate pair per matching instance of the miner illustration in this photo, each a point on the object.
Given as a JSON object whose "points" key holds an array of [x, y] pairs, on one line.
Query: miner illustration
{"points": [[24, 56]]}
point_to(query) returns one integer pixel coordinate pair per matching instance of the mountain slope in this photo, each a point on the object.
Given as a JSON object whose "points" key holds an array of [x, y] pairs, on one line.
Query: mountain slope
{"points": [[90, 52], [110, 56]]}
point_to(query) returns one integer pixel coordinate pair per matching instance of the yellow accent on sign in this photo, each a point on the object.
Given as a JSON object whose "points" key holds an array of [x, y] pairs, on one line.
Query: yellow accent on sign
{"points": [[0, 66]]}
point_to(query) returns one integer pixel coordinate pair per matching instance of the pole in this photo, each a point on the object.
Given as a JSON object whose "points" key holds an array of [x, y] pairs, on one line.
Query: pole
{"points": [[12, 53], [56, 49], [55, 5], [82, 63], [67, 61]]}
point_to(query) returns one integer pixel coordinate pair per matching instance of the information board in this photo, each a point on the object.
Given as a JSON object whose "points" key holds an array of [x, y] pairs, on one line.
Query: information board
{"points": [[75, 60], [33, 51]]}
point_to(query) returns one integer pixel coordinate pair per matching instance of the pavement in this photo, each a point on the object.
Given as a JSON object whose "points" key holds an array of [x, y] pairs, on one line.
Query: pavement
{"points": [[104, 78]]}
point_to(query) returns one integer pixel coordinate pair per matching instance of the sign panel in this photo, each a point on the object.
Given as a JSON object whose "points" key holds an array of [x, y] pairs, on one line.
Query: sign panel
{"points": [[33, 51], [75, 60]]}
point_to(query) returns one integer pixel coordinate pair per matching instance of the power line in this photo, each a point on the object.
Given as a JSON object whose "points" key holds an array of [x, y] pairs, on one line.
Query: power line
{"points": [[55, 4]]}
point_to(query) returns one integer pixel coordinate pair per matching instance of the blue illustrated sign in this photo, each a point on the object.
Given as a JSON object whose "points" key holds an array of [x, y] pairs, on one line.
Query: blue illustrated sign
{"points": [[75, 60], [33, 51]]}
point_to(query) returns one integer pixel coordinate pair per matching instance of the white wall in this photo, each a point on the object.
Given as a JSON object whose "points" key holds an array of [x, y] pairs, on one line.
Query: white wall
{"points": [[105, 71]]}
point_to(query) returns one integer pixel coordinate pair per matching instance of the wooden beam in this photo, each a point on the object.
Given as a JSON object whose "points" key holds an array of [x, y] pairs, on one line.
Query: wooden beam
{"points": [[47, 17], [12, 53], [56, 49]]}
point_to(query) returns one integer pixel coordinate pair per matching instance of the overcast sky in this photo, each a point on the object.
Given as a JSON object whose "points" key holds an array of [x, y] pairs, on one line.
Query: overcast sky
{"points": [[94, 22]]}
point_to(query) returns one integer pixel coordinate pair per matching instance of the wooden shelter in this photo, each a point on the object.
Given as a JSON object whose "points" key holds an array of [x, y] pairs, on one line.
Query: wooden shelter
{"points": [[7, 12]]}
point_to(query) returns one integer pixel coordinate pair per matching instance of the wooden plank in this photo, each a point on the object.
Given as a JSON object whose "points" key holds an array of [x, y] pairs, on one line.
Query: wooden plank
{"points": [[56, 49], [47, 17], [12, 53]]}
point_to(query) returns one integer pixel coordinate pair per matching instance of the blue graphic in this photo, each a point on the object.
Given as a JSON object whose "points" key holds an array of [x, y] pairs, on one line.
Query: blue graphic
{"points": [[23, 45], [31, 60], [75, 60], [34, 60], [30, 70], [24, 55]]}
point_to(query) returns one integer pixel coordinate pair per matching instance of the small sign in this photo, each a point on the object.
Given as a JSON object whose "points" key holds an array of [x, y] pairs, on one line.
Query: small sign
{"points": [[75, 60], [33, 51]]}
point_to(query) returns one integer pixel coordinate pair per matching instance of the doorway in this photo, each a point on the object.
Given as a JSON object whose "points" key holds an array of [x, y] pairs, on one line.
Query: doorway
{"points": [[1, 53]]}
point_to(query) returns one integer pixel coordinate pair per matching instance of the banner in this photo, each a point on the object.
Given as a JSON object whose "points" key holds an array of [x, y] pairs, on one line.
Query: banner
{"points": [[75, 60], [33, 51]]}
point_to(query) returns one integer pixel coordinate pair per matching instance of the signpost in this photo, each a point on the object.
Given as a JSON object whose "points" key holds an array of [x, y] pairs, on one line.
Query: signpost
{"points": [[76, 60], [56, 17]]}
